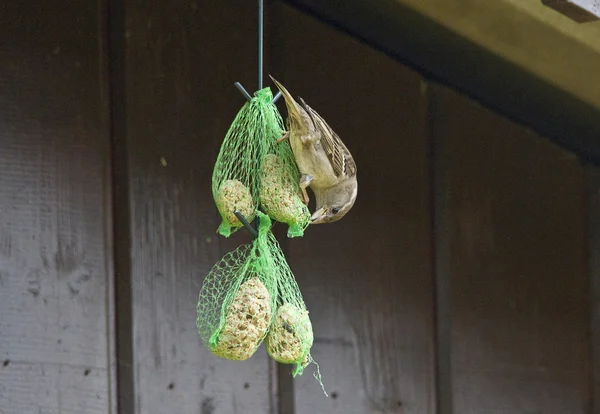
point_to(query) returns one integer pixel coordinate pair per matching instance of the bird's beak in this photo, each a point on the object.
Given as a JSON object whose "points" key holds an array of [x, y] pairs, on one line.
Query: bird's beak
{"points": [[292, 106], [318, 216]]}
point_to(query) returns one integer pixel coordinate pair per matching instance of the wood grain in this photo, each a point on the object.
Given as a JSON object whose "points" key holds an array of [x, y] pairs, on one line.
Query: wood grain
{"points": [[367, 279], [54, 271], [496, 267], [183, 58], [520, 292]]}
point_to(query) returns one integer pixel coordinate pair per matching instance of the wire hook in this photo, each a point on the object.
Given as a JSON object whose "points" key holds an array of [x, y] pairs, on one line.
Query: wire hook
{"points": [[245, 223]]}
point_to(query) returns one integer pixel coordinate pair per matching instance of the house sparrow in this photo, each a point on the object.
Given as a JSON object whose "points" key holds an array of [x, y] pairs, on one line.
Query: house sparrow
{"points": [[325, 164]]}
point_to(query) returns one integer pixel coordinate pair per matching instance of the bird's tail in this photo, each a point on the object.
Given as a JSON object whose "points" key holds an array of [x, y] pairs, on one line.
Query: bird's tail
{"points": [[291, 104]]}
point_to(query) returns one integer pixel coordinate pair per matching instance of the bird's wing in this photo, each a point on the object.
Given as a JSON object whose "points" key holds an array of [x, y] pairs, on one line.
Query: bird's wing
{"points": [[341, 160]]}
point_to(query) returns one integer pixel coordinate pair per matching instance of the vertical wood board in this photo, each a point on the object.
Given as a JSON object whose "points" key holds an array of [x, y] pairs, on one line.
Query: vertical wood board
{"points": [[367, 279], [183, 58], [55, 274], [519, 285]]}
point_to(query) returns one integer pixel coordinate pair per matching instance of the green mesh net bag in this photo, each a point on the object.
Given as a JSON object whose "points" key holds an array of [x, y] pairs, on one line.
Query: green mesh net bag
{"points": [[251, 295], [280, 189], [236, 174], [290, 335], [237, 301], [252, 168]]}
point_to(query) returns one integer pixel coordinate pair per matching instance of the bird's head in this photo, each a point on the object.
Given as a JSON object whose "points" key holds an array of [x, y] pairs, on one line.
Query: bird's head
{"points": [[298, 119], [334, 203]]}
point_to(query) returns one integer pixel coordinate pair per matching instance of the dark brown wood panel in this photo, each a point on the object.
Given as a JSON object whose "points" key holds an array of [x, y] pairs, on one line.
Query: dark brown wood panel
{"points": [[593, 182], [55, 272], [183, 58], [518, 265], [367, 279]]}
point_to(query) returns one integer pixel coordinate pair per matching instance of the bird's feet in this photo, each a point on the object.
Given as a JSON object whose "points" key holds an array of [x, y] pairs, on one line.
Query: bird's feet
{"points": [[305, 181], [305, 198], [285, 136]]}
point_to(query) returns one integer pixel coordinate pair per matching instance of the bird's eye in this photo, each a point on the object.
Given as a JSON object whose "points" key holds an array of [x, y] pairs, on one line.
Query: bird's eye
{"points": [[335, 210]]}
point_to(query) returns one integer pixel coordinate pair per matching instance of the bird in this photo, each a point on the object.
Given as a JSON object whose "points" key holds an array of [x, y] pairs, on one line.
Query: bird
{"points": [[325, 163]]}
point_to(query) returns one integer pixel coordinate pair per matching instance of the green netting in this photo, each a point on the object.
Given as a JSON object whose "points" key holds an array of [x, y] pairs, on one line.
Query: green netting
{"points": [[280, 189], [236, 174], [237, 300], [251, 295], [250, 155], [290, 336]]}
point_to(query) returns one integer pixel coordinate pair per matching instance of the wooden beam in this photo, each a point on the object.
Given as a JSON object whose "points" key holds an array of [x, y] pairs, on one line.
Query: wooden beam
{"points": [[581, 11], [524, 71]]}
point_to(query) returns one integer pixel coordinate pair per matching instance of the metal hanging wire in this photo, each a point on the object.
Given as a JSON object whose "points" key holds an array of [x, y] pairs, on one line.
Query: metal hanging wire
{"points": [[261, 28], [243, 91]]}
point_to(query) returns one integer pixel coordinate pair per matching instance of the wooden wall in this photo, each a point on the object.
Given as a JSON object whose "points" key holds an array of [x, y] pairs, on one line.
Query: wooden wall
{"points": [[56, 280], [464, 281]]}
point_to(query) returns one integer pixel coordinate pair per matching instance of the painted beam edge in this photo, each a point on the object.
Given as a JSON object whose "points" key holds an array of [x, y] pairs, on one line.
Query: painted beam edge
{"points": [[580, 11], [564, 113]]}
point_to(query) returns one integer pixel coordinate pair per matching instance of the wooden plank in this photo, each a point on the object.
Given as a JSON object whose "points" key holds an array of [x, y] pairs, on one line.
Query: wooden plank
{"points": [[581, 11], [182, 61], [367, 279], [593, 181], [55, 273], [523, 71], [520, 294]]}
